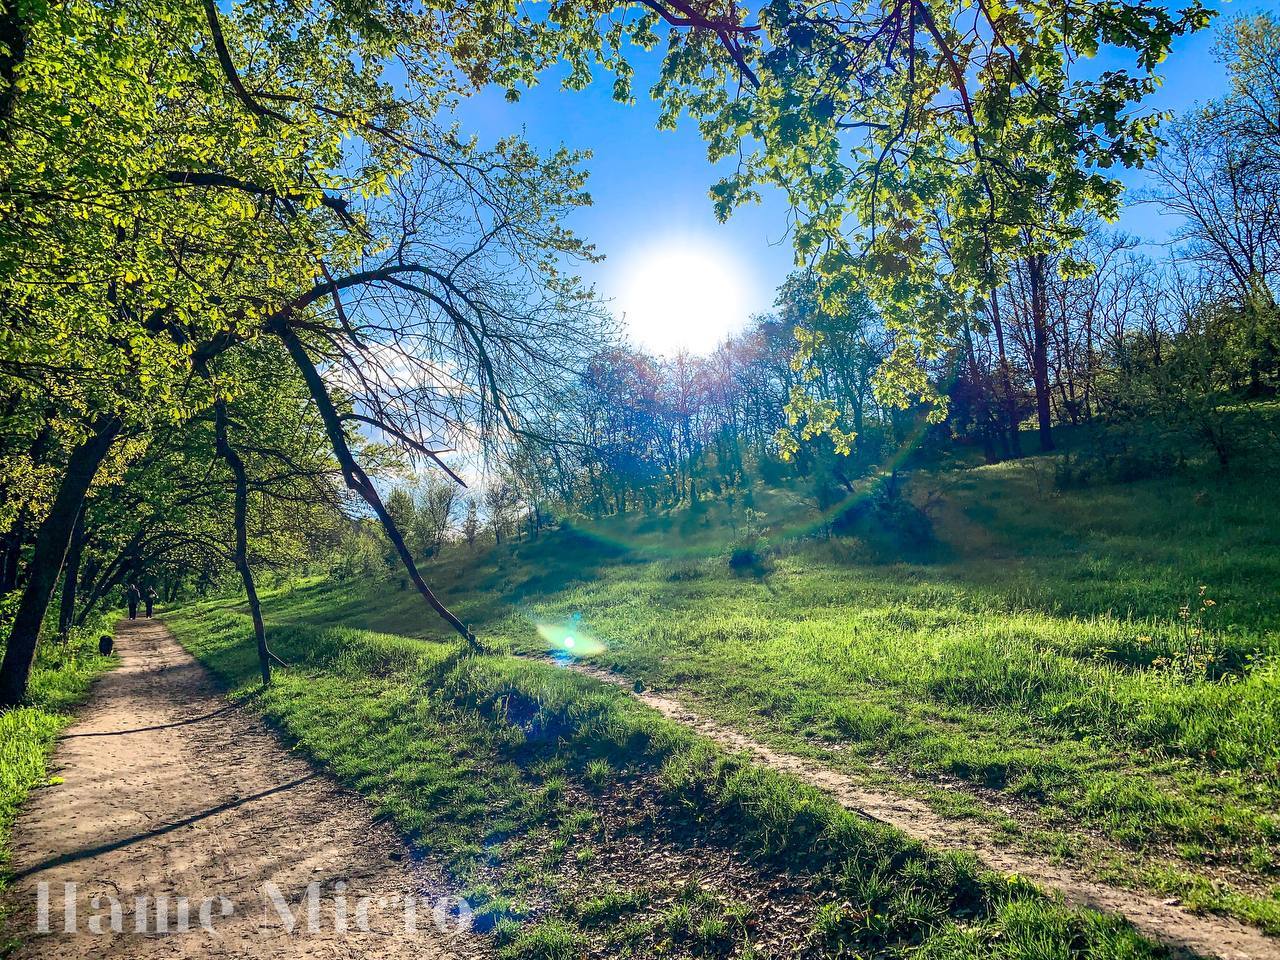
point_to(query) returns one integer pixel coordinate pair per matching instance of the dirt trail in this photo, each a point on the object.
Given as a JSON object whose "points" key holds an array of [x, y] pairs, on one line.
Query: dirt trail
{"points": [[1182, 930], [170, 791]]}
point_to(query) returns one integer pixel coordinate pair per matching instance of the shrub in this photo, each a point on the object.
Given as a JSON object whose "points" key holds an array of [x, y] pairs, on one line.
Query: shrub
{"points": [[750, 547], [1116, 457], [885, 513]]}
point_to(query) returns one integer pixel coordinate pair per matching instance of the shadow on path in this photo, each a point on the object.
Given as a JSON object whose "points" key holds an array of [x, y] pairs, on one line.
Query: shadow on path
{"points": [[75, 855], [158, 726]]}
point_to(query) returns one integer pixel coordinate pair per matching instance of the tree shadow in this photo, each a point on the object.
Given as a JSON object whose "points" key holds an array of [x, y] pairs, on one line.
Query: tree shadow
{"points": [[159, 726], [90, 852]]}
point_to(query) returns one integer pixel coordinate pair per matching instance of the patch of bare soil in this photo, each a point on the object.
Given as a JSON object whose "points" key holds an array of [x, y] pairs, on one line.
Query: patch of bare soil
{"points": [[686, 890], [167, 791], [1162, 920]]}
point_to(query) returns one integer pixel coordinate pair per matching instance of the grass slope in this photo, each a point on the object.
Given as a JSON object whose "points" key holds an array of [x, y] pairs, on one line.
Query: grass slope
{"points": [[510, 772], [1040, 653]]}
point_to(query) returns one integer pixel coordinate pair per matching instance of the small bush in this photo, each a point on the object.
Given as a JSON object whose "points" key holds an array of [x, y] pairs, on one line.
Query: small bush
{"points": [[1116, 460], [569, 537], [886, 513], [686, 571], [751, 547], [746, 558]]}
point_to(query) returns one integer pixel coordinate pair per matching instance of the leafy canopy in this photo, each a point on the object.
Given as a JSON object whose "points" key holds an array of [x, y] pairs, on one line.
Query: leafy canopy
{"points": [[924, 146]]}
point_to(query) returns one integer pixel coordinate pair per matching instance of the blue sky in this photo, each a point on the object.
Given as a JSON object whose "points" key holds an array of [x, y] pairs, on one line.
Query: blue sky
{"points": [[651, 214]]}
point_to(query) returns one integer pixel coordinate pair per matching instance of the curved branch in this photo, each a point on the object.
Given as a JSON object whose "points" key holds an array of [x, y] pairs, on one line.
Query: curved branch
{"points": [[229, 67], [186, 178], [356, 478]]}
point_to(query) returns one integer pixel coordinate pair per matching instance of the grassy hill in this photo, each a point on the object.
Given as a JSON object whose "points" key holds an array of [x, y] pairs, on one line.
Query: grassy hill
{"points": [[1091, 669]]}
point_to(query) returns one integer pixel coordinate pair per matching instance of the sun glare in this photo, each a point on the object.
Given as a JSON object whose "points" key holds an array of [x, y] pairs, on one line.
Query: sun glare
{"points": [[682, 295]]}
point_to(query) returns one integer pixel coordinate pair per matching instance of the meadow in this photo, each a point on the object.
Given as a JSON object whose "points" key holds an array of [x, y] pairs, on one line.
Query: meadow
{"points": [[1092, 671], [273, 279]]}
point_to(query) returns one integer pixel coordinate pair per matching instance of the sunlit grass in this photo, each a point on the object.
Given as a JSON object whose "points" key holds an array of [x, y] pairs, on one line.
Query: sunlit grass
{"points": [[1035, 651]]}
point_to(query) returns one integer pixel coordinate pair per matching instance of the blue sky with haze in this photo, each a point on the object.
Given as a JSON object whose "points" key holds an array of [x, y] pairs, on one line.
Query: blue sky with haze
{"points": [[651, 214]]}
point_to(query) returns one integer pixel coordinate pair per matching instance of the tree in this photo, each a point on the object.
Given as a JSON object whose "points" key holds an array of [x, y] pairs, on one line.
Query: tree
{"points": [[170, 513], [123, 256], [50, 550], [1250, 47], [836, 358], [1229, 198], [499, 501], [924, 155], [437, 500], [276, 432], [1221, 174], [403, 513], [471, 522]]}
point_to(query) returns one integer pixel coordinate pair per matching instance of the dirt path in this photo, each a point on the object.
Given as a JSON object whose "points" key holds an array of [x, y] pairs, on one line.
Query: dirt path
{"points": [[169, 791], [1182, 930]]}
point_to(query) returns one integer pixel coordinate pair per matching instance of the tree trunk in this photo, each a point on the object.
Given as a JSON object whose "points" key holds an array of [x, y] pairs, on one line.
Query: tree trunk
{"points": [[13, 553], [1006, 382], [46, 561], [1040, 349], [981, 412], [357, 480], [232, 457], [71, 576]]}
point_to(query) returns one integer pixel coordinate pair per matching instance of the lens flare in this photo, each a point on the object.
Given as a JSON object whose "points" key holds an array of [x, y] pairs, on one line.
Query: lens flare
{"points": [[568, 639]]}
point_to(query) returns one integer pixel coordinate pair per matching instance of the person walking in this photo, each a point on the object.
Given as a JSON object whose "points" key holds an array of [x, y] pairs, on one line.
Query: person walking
{"points": [[133, 595], [151, 600]]}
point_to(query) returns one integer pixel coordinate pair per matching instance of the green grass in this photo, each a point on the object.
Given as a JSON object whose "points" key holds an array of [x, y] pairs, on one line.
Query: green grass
{"points": [[1036, 651], [499, 767], [60, 681]]}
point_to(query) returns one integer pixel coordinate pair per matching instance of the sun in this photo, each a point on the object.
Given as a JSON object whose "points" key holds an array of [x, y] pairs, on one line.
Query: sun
{"points": [[682, 294]]}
